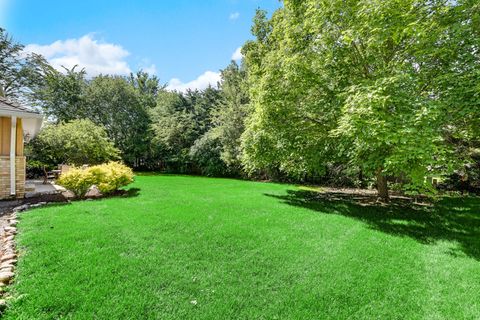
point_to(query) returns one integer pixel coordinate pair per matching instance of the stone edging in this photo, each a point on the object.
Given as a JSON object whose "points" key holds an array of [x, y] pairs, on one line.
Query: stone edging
{"points": [[8, 251]]}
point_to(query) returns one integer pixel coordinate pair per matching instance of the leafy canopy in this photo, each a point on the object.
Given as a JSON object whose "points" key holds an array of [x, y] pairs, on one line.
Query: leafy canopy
{"points": [[381, 85], [76, 143]]}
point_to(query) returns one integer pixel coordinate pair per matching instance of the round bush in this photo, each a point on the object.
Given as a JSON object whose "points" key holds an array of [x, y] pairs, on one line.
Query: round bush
{"points": [[108, 177]]}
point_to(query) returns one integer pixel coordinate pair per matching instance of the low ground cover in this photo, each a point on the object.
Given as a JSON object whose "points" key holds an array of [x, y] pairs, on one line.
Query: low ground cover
{"points": [[179, 247]]}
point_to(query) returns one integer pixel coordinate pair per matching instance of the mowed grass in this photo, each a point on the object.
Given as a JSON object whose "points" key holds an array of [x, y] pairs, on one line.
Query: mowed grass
{"points": [[201, 248]]}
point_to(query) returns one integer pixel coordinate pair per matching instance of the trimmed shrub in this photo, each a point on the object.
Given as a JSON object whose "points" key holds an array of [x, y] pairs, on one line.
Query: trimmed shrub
{"points": [[107, 177], [113, 176]]}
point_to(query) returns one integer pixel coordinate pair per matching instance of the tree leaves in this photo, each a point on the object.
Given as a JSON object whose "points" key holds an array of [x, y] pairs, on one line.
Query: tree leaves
{"points": [[368, 83]]}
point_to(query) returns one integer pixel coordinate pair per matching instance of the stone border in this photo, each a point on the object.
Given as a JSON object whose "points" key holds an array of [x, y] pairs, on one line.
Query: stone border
{"points": [[8, 251]]}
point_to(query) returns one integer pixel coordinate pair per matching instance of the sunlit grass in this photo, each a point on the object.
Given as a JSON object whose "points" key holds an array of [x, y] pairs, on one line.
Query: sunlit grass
{"points": [[200, 248]]}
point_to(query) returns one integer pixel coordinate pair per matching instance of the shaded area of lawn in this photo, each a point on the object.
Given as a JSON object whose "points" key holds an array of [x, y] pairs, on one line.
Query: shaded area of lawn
{"points": [[451, 219], [198, 248]]}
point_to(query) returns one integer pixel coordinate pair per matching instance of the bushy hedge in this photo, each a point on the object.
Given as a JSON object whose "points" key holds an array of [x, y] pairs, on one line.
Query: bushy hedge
{"points": [[77, 142], [107, 177]]}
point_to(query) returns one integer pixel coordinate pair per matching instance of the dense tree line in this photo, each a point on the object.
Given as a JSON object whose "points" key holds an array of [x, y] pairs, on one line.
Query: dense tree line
{"points": [[359, 93], [151, 128], [200, 131]]}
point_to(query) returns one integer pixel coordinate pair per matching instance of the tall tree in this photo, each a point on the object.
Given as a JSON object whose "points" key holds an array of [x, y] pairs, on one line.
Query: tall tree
{"points": [[366, 83], [123, 109], [61, 96], [178, 120], [229, 116], [19, 71], [120, 104]]}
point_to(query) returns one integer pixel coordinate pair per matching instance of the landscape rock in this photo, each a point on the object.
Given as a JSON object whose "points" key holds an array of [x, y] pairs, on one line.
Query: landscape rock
{"points": [[9, 238], [21, 208], [6, 265], [8, 257], [68, 194], [6, 276], [36, 205], [10, 229], [8, 251], [93, 192], [11, 261], [6, 269], [13, 222]]}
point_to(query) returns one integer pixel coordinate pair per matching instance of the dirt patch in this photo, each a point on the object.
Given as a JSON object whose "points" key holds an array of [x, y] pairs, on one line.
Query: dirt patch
{"points": [[363, 196]]}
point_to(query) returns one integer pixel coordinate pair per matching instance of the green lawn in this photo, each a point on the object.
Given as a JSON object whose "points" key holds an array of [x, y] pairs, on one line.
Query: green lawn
{"points": [[201, 248]]}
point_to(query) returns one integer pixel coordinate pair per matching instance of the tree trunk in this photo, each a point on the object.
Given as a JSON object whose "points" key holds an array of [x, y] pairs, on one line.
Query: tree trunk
{"points": [[382, 186], [361, 179]]}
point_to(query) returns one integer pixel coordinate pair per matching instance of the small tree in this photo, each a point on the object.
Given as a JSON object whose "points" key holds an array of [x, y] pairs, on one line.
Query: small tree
{"points": [[77, 142]]}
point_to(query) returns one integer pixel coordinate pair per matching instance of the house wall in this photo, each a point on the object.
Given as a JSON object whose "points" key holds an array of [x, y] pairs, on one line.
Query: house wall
{"points": [[5, 177], [5, 131]]}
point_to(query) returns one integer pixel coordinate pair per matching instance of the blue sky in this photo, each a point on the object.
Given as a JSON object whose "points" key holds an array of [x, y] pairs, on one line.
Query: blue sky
{"points": [[187, 41]]}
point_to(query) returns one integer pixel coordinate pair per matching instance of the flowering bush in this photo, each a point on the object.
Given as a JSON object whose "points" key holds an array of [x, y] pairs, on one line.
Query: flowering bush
{"points": [[107, 177]]}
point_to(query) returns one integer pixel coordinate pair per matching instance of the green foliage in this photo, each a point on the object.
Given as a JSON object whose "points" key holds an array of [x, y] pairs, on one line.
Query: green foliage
{"points": [[206, 153], [35, 168], [108, 178], [199, 131], [62, 96], [368, 84], [229, 116], [178, 121], [77, 142], [19, 72], [191, 127], [334, 91], [120, 104], [122, 108]]}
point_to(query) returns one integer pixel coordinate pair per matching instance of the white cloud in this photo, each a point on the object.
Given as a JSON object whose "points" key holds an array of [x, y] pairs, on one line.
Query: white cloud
{"points": [[86, 52], [234, 15], [237, 55], [147, 66], [202, 82], [151, 69]]}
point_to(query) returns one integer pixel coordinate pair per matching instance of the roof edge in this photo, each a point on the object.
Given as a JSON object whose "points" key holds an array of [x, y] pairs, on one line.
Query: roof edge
{"points": [[21, 114]]}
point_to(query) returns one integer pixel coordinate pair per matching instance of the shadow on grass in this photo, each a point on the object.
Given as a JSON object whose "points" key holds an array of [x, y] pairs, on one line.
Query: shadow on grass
{"points": [[129, 193], [451, 219]]}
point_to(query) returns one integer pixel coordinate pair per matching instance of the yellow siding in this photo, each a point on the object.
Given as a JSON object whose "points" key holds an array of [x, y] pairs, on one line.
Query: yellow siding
{"points": [[19, 146], [4, 136], [5, 131]]}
